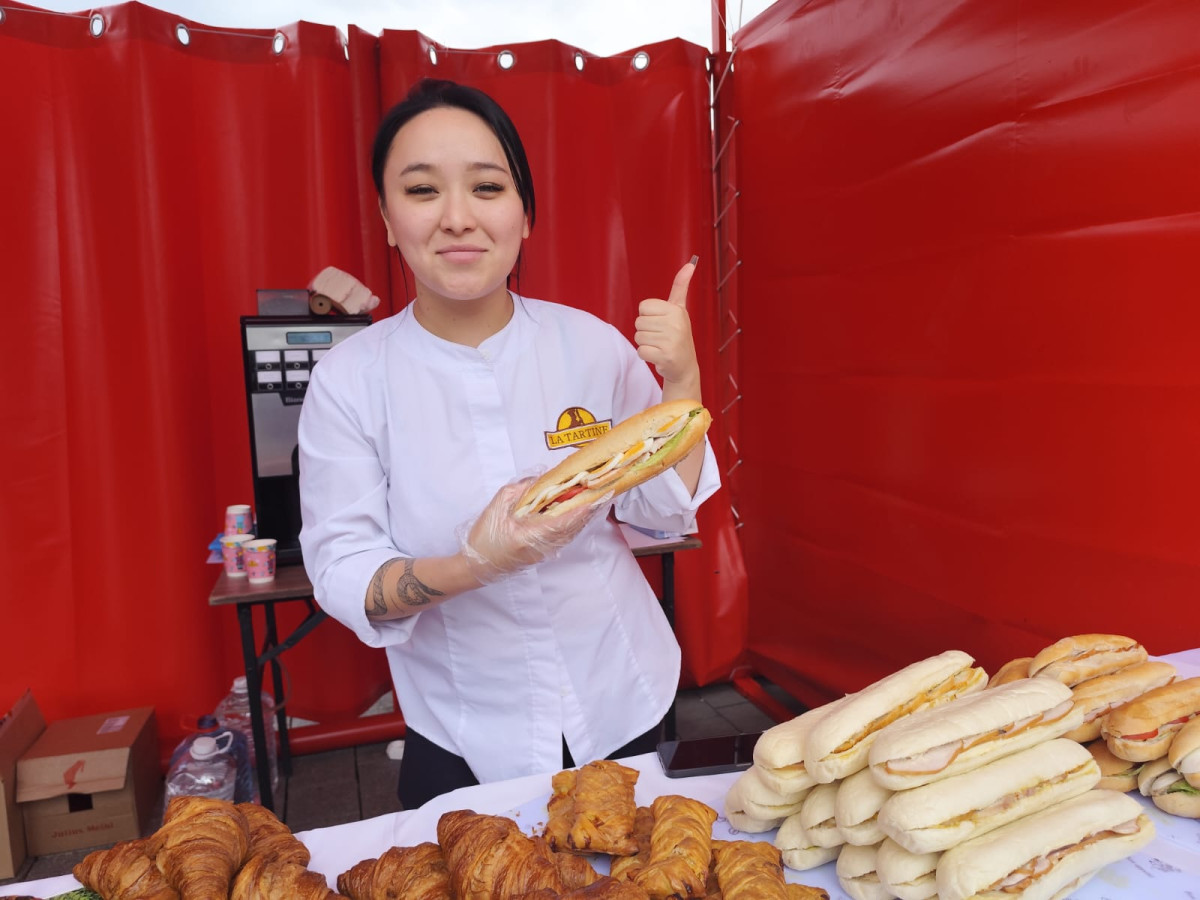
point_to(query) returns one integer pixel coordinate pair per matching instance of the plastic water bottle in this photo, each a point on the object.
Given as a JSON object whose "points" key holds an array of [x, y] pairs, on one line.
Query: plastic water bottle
{"points": [[205, 770], [234, 712], [247, 779]]}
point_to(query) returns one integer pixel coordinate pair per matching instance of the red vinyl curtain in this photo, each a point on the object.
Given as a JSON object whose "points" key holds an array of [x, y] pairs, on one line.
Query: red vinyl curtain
{"points": [[968, 233], [150, 189]]}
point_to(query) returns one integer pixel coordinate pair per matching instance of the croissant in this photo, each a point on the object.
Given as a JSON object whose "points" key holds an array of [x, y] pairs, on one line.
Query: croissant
{"points": [[400, 873], [805, 892], [680, 849], [749, 870], [604, 889], [262, 878], [574, 870], [271, 838], [490, 859], [623, 867], [200, 846], [124, 872]]}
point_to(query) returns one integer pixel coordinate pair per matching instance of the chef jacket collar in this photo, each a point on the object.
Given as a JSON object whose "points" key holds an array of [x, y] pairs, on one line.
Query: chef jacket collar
{"points": [[422, 344]]}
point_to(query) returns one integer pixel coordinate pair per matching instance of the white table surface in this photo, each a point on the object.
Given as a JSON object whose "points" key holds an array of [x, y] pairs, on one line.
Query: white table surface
{"points": [[1169, 867]]}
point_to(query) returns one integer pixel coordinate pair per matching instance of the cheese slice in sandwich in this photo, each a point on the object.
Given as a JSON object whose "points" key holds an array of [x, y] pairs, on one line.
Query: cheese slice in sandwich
{"points": [[1048, 853], [971, 731], [779, 751], [838, 744], [937, 816]]}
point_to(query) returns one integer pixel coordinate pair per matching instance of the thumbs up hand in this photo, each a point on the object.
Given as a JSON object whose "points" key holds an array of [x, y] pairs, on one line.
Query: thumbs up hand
{"points": [[663, 335]]}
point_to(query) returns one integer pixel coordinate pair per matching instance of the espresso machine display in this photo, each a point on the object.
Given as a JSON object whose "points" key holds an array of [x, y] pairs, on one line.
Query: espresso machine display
{"points": [[279, 354]]}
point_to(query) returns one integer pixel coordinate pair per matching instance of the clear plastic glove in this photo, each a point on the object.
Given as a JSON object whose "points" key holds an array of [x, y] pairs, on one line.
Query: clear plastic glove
{"points": [[498, 543]]}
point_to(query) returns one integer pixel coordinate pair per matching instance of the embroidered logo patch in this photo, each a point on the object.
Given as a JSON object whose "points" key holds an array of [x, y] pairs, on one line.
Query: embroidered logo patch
{"points": [[575, 426]]}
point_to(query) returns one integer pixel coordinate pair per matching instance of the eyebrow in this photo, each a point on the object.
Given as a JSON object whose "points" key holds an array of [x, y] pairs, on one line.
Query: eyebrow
{"points": [[473, 167]]}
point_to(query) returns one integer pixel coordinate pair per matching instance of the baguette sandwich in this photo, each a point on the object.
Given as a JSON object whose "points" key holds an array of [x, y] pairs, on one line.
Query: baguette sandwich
{"points": [[1079, 657], [1167, 789], [1116, 774], [752, 806], [644, 445], [972, 731], [798, 849], [818, 816], [779, 751], [838, 744], [857, 875], [940, 815], [1048, 854], [1185, 752], [856, 808], [909, 876], [1097, 697], [1143, 729]]}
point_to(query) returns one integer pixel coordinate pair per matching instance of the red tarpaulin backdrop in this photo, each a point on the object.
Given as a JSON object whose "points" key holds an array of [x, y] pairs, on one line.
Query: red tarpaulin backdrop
{"points": [[151, 188], [969, 235]]}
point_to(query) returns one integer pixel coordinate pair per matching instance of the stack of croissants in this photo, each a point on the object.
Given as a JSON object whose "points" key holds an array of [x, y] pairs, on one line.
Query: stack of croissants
{"points": [[211, 849]]}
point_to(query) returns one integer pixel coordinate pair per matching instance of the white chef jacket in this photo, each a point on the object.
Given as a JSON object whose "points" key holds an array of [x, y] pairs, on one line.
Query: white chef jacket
{"points": [[404, 438]]}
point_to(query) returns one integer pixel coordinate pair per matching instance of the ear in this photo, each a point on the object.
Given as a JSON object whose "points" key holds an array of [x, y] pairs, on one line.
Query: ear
{"points": [[391, 238], [525, 230]]}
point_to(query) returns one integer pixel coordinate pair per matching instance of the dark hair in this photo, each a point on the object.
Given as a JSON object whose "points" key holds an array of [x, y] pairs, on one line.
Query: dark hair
{"points": [[432, 93]]}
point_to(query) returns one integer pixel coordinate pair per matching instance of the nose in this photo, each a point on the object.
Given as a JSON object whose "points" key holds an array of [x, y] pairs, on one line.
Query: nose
{"points": [[457, 215]]}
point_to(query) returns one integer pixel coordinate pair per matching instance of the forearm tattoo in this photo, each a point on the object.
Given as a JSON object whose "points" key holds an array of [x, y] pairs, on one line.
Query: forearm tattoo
{"points": [[410, 590]]}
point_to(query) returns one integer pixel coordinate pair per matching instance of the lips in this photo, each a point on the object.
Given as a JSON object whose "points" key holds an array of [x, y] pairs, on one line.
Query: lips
{"points": [[461, 253]]}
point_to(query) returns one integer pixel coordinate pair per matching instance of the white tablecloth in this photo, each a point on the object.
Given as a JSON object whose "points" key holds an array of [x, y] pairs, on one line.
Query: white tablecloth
{"points": [[1167, 868]]}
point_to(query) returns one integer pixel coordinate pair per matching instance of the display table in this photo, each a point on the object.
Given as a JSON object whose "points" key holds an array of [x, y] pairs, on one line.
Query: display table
{"points": [[1169, 867]]}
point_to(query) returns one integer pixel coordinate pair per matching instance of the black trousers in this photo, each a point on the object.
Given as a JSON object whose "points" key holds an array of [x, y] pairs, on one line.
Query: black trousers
{"points": [[427, 771]]}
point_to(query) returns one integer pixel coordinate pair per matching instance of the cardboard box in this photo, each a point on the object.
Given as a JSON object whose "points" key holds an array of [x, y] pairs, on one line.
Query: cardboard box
{"points": [[19, 728], [89, 781]]}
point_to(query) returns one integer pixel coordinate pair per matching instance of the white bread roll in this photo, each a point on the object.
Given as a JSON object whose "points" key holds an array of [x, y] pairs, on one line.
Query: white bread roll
{"points": [[779, 751], [838, 744], [910, 876], [818, 816], [741, 819], [971, 731], [1116, 774], [797, 848], [857, 876], [1167, 789], [939, 815], [1064, 844], [856, 808]]}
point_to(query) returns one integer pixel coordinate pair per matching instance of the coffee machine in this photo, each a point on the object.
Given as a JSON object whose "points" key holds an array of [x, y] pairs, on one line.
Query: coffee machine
{"points": [[279, 353]]}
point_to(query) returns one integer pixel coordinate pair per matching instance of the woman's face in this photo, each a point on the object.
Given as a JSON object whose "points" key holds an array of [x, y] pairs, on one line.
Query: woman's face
{"points": [[451, 206]]}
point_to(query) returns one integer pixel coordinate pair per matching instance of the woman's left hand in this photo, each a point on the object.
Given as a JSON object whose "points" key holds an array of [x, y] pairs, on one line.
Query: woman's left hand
{"points": [[664, 334]]}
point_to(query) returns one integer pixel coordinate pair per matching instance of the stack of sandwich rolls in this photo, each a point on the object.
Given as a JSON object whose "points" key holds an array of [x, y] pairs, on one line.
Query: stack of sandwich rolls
{"points": [[936, 757]]}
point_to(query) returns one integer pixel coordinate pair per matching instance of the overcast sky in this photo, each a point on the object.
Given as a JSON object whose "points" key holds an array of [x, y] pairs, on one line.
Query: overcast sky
{"points": [[603, 27]]}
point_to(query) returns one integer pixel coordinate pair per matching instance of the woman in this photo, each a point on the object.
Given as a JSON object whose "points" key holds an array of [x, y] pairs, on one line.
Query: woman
{"points": [[515, 645]]}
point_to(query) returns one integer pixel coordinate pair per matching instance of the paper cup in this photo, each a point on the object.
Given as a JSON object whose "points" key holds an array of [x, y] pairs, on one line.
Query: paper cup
{"points": [[238, 519], [260, 560], [233, 553]]}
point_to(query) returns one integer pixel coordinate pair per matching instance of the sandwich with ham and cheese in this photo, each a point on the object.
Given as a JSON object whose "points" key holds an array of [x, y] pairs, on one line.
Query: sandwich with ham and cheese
{"points": [[1167, 789], [1143, 729], [856, 808], [799, 851], [753, 806], [644, 445], [857, 874], [779, 751], [1097, 697], [838, 744], [939, 815], [1079, 657], [1048, 854], [971, 731]]}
